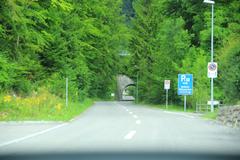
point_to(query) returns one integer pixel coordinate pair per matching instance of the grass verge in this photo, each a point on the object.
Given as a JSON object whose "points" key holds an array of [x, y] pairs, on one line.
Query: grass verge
{"points": [[175, 108], [210, 115], [43, 106]]}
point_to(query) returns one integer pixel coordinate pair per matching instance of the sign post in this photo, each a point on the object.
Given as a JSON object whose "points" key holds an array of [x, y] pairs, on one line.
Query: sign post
{"points": [[212, 70], [167, 87], [166, 98], [185, 103], [212, 73], [185, 86], [66, 92]]}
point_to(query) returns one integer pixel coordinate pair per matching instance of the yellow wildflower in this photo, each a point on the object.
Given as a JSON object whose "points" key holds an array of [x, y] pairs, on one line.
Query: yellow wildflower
{"points": [[58, 107], [37, 101], [7, 98]]}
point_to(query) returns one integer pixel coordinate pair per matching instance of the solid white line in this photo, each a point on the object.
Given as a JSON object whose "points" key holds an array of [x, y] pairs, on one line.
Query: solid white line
{"points": [[130, 112], [135, 116], [130, 135], [31, 135], [138, 122], [31, 122], [188, 116]]}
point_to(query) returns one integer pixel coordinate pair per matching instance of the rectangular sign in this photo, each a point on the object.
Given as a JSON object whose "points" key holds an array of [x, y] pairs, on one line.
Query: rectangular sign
{"points": [[214, 102], [167, 84], [212, 70], [185, 84]]}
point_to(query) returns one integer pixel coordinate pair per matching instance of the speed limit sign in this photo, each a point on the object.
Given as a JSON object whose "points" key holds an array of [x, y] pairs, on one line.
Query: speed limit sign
{"points": [[212, 70]]}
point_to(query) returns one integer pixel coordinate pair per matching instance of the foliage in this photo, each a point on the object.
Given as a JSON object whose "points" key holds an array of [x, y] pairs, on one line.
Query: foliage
{"points": [[7, 73], [44, 42], [172, 37], [40, 105], [230, 68]]}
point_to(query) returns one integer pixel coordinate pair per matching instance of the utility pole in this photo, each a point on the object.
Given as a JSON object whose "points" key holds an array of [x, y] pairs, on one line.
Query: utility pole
{"points": [[212, 25], [137, 89]]}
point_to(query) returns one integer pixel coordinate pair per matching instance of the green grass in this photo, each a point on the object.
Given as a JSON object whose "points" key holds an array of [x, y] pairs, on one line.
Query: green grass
{"points": [[175, 108], [74, 109], [44, 106], [210, 115]]}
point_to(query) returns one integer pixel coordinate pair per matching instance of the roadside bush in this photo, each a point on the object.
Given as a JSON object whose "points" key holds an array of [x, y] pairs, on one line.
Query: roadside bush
{"points": [[57, 85], [31, 106], [23, 87], [7, 73], [41, 105]]}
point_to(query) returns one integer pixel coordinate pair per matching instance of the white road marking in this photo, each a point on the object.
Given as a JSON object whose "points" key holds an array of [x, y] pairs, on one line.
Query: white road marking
{"points": [[130, 135], [31, 135], [31, 122], [135, 116], [138, 122], [188, 116], [130, 112], [127, 110]]}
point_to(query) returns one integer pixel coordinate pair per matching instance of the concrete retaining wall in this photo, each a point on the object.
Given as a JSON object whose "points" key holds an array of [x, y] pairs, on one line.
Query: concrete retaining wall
{"points": [[229, 115]]}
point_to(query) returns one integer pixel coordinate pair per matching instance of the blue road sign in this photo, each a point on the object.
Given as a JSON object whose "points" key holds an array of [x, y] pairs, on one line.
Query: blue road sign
{"points": [[185, 84]]}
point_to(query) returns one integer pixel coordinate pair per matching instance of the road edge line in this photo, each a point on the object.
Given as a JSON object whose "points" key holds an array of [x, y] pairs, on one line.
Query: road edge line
{"points": [[31, 135]]}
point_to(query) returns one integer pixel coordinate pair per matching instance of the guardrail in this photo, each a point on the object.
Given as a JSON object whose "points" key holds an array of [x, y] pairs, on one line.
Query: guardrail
{"points": [[206, 107]]}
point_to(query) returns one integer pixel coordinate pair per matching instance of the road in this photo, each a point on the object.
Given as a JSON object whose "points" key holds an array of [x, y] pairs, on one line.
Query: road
{"points": [[120, 126]]}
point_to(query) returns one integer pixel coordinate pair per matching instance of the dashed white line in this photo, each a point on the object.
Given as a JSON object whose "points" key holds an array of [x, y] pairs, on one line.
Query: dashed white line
{"points": [[130, 135], [138, 122], [130, 112], [31, 135], [135, 116]]}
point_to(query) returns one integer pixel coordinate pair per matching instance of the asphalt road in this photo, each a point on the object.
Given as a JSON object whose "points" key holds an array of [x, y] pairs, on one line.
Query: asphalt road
{"points": [[120, 126]]}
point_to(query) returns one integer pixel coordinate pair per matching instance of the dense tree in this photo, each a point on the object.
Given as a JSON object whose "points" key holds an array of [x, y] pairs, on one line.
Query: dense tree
{"points": [[172, 37], [229, 76], [44, 42]]}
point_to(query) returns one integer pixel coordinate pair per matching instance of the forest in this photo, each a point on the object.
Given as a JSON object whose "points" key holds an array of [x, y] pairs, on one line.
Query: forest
{"points": [[172, 37], [43, 42]]}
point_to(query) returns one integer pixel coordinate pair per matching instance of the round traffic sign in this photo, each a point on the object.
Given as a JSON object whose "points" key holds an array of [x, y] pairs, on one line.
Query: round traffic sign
{"points": [[212, 66]]}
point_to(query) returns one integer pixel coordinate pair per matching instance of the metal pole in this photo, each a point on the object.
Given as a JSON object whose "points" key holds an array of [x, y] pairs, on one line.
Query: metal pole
{"points": [[196, 107], [66, 92], [166, 98], [137, 90], [212, 92], [212, 34], [185, 103]]}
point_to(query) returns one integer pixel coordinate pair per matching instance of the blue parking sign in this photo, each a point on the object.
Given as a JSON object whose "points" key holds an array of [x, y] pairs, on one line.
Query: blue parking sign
{"points": [[185, 84]]}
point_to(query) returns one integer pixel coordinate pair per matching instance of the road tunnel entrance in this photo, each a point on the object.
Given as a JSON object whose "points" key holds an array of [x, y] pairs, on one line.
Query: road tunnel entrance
{"points": [[126, 88]]}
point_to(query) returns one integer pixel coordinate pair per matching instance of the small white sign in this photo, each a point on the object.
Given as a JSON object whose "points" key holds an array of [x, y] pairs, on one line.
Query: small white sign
{"points": [[214, 102], [167, 84], [212, 70], [112, 94]]}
